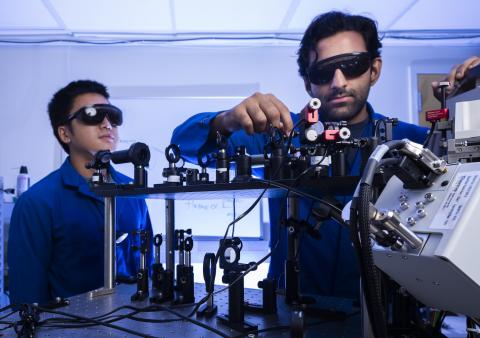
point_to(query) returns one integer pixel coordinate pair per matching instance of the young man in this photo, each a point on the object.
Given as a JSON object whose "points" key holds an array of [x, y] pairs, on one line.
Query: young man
{"points": [[339, 61], [56, 237]]}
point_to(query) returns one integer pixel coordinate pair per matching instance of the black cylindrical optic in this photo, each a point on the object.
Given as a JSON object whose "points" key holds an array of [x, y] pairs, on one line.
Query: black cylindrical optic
{"points": [[138, 154], [223, 167]]}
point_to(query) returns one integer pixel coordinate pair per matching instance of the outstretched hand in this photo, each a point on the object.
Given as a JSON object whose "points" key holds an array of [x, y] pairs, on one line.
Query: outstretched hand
{"points": [[254, 114], [456, 75]]}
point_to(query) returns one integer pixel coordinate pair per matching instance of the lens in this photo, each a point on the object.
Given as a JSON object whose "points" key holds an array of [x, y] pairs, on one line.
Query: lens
{"points": [[113, 114], [352, 65], [95, 114]]}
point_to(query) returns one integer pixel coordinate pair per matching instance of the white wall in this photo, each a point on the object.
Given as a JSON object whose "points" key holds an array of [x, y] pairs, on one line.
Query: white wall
{"points": [[29, 75]]}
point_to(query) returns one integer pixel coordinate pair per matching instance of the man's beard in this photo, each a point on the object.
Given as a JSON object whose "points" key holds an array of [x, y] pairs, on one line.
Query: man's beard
{"points": [[345, 111]]}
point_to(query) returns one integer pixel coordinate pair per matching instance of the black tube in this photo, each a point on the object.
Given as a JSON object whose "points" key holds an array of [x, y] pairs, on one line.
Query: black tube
{"points": [[223, 167], [236, 310], [339, 163], [140, 176], [371, 280], [138, 154], [277, 160], [243, 163], [372, 163]]}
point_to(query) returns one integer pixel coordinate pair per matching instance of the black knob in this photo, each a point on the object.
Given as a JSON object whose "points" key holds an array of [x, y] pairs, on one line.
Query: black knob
{"points": [[172, 153], [157, 240], [188, 244]]}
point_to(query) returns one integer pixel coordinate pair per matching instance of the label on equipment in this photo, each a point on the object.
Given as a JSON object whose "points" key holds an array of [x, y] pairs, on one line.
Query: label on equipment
{"points": [[462, 189]]}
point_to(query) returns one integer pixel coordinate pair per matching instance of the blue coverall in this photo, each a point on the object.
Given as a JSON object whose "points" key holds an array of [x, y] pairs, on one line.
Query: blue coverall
{"points": [[56, 238]]}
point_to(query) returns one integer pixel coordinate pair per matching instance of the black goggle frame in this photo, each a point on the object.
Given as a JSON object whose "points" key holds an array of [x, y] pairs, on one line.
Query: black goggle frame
{"points": [[95, 114], [352, 65]]}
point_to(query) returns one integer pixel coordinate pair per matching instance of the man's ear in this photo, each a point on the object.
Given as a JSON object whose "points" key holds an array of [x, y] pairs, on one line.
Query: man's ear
{"points": [[308, 86], [64, 133], [375, 70]]}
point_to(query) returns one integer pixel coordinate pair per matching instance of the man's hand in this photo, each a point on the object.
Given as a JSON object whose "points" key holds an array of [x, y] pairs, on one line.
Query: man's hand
{"points": [[456, 75], [254, 115]]}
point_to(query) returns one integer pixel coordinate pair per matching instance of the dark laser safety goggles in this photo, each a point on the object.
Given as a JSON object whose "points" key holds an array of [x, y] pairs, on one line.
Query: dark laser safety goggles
{"points": [[352, 65], [93, 115]]}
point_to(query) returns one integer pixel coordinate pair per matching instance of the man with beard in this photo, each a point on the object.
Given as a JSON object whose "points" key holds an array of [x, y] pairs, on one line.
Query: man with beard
{"points": [[339, 61]]}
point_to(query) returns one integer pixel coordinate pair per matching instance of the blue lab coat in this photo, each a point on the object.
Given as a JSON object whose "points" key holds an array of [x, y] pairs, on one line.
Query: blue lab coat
{"points": [[328, 266], [56, 238]]}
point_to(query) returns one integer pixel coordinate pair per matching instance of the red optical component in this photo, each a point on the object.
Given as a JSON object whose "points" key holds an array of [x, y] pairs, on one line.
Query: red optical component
{"points": [[311, 115], [311, 111], [331, 134], [436, 115]]}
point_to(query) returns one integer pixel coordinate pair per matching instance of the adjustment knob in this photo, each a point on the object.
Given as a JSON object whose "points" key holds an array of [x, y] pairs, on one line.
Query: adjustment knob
{"points": [[188, 244], [429, 197], [421, 213], [157, 240]]}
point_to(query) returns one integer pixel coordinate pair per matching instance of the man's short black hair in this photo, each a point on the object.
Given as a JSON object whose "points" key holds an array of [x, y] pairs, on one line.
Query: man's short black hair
{"points": [[331, 23], [62, 102]]}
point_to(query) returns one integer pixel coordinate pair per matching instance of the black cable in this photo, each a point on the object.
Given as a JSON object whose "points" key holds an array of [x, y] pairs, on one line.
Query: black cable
{"points": [[15, 306], [304, 194], [246, 212], [371, 282], [430, 135], [149, 308], [7, 315], [290, 135], [129, 307], [116, 327], [359, 221], [67, 323], [111, 320], [157, 307], [8, 326]]}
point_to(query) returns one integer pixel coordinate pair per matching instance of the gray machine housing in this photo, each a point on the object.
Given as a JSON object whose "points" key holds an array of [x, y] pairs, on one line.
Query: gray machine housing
{"points": [[444, 272]]}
